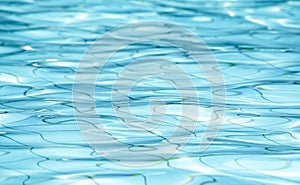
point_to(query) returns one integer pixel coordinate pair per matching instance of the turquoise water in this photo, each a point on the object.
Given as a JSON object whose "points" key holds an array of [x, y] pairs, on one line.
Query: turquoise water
{"points": [[255, 42]]}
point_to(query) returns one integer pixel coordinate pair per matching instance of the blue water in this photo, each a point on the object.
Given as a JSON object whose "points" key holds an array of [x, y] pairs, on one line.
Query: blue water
{"points": [[255, 42]]}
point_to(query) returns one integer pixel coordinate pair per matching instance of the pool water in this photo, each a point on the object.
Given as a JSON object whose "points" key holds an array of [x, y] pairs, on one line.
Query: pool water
{"points": [[255, 42]]}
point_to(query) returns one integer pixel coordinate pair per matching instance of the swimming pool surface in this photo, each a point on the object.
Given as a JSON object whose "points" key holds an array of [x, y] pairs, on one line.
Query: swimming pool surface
{"points": [[256, 44]]}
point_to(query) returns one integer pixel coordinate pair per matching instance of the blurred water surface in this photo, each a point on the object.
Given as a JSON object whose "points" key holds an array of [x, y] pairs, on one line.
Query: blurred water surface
{"points": [[255, 42]]}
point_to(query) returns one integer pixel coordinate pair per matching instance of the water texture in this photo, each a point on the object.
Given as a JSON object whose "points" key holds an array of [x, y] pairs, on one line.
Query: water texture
{"points": [[255, 42]]}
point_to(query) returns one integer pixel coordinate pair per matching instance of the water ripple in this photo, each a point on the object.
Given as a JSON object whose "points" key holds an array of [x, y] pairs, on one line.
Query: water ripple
{"points": [[255, 42]]}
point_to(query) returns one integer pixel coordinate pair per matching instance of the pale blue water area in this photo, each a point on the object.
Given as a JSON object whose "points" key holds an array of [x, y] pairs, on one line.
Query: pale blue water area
{"points": [[256, 43]]}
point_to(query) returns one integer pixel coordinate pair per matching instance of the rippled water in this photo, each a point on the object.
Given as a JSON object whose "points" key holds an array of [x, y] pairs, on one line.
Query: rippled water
{"points": [[255, 42]]}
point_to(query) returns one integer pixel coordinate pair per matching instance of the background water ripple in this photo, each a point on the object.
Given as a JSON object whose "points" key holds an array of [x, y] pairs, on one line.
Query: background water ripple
{"points": [[255, 42]]}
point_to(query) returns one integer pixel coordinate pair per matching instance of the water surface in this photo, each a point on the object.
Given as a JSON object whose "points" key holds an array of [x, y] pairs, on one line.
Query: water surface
{"points": [[255, 42]]}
